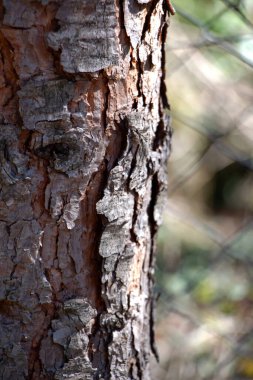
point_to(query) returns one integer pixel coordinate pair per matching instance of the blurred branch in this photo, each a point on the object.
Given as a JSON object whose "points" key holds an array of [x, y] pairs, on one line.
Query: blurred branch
{"points": [[237, 9], [211, 39], [217, 139], [207, 43]]}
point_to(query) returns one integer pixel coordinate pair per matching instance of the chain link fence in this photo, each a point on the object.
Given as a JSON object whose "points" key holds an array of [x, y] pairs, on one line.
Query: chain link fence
{"points": [[204, 270]]}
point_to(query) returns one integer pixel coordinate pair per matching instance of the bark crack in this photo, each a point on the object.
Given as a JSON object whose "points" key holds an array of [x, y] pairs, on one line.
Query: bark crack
{"points": [[163, 89], [151, 7]]}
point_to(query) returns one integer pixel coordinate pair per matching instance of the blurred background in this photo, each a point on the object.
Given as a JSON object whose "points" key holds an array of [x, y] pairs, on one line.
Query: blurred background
{"points": [[204, 270]]}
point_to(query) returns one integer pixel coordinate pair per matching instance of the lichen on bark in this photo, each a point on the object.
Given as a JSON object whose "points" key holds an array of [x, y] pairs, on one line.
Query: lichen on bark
{"points": [[83, 149]]}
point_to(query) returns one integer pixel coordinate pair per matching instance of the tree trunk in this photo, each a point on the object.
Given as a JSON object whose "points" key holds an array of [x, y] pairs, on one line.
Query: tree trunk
{"points": [[83, 147]]}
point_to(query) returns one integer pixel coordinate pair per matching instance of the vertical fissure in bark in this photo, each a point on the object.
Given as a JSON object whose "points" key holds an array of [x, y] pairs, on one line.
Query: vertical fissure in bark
{"points": [[152, 329], [155, 189], [140, 78], [106, 102], [9, 102], [120, 6], [118, 144], [163, 91], [94, 224], [150, 9], [35, 364], [135, 148]]}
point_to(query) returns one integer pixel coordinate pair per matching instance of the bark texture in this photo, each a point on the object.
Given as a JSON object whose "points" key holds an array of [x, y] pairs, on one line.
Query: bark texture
{"points": [[83, 148]]}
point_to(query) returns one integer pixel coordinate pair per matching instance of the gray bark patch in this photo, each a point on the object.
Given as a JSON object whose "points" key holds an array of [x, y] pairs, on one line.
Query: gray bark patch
{"points": [[86, 38]]}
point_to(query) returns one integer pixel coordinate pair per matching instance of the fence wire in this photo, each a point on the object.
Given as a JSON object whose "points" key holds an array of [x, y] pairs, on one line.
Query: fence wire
{"points": [[205, 246]]}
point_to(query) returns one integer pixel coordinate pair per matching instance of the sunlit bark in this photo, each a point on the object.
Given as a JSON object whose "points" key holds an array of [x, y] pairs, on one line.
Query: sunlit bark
{"points": [[84, 143]]}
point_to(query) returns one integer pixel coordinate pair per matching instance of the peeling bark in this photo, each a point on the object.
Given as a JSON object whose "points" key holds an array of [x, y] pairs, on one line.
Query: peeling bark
{"points": [[83, 149]]}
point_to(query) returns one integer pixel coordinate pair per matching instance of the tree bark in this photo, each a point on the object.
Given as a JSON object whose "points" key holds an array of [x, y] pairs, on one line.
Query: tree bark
{"points": [[83, 149]]}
